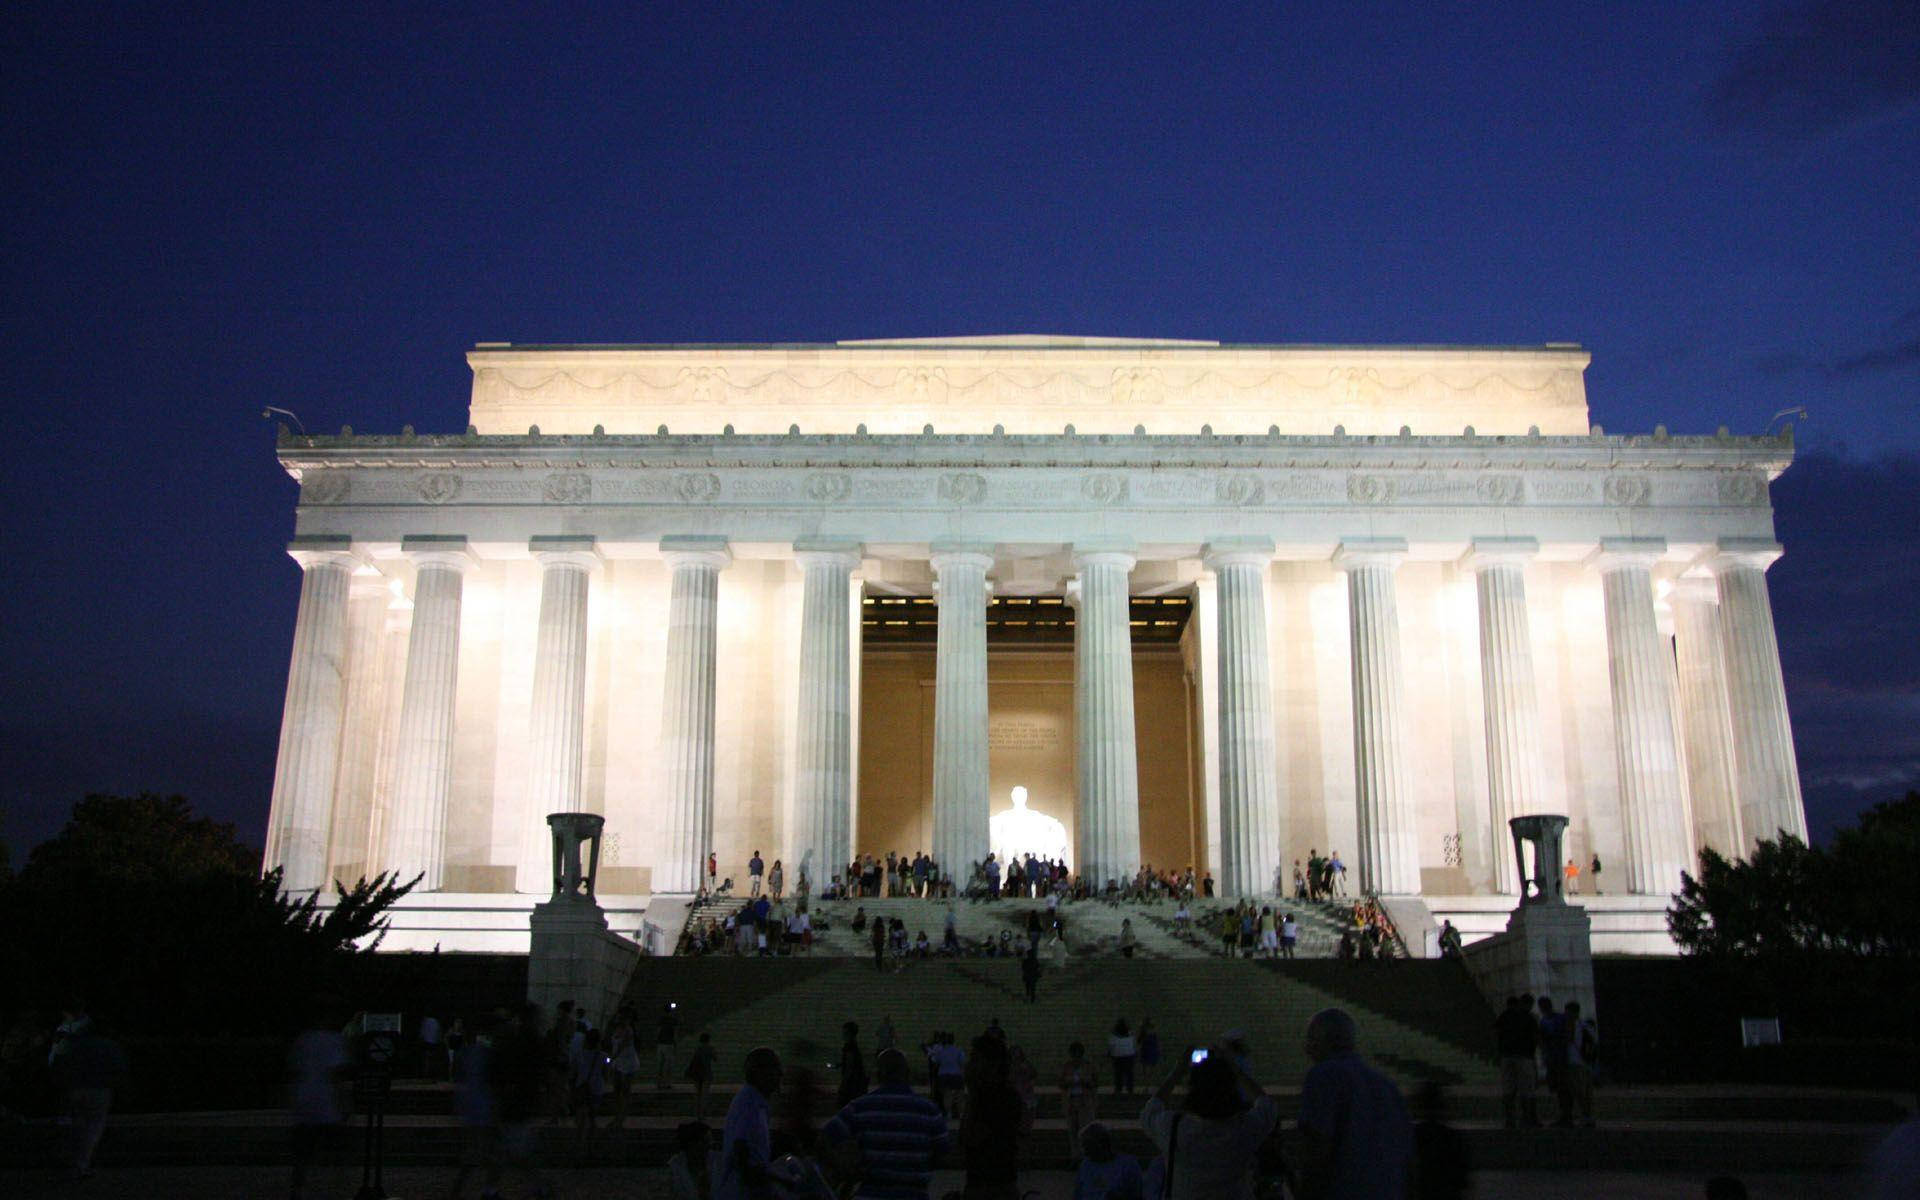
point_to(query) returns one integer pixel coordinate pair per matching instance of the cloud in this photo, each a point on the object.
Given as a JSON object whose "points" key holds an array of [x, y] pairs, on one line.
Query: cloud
{"points": [[1820, 66]]}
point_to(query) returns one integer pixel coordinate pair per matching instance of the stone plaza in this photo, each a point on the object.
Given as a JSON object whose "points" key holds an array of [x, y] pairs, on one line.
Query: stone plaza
{"points": [[1209, 605]]}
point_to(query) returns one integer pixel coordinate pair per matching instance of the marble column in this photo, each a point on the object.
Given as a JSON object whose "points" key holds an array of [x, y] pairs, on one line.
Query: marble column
{"points": [[1109, 776], [423, 755], [1706, 726], [1251, 832], [688, 715], [823, 784], [1652, 804], [1508, 695], [960, 802], [366, 705], [393, 656], [1766, 770], [309, 758], [1389, 841], [557, 717]]}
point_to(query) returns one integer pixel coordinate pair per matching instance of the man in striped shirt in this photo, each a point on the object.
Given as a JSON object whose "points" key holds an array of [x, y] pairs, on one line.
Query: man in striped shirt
{"points": [[896, 1135]]}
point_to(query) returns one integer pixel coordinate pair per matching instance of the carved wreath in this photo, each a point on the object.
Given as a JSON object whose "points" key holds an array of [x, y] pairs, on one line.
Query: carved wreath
{"points": [[439, 487], [1498, 489], [1104, 489], [1369, 489], [1237, 490], [1743, 488], [962, 488], [828, 488], [696, 487], [567, 487], [1628, 491]]}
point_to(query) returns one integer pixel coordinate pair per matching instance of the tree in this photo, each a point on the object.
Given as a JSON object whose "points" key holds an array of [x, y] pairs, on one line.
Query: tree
{"points": [[1789, 901], [160, 921]]}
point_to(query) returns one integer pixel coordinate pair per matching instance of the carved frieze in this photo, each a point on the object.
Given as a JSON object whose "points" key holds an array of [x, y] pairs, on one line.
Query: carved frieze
{"points": [[828, 487], [1370, 489], [567, 487], [962, 487], [696, 487], [1105, 487], [1628, 491], [325, 487], [440, 487], [1741, 489]]}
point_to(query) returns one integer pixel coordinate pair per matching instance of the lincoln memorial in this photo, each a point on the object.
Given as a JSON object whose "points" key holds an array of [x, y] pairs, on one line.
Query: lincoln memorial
{"points": [[1208, 605]]}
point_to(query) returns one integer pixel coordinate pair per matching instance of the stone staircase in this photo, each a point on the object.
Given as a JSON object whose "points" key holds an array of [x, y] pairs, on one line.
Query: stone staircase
{"points": [[786, 1003]]}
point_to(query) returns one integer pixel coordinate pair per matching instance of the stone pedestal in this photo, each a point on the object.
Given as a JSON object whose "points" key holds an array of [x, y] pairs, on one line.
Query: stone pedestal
{"points": [[573, 955], [1547, 948]]}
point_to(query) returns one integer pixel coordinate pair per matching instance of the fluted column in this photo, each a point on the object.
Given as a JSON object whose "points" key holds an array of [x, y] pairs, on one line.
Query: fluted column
{"points": [[1251, 830], [1389, 841], [960, 834], [366, 703], [423, 761], [557, 718], [1706, 729], [824, 779], [1508, 694], [393, 658], [309, 758], [1109, 776], [1767, 772], [1652, 806], [687, 719]]}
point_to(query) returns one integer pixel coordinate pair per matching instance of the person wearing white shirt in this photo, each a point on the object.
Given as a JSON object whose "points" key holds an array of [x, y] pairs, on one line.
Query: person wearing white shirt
{"points": [[1212, 1141]]}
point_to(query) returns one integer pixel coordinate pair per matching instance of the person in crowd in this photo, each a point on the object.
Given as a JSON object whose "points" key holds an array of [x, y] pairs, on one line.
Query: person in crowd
{"points": [[1030, 972], [1337, 874], [1356, 1138], [665, 1029], [432, 1048], [695, 1163], [1576, 1079], [879, 941], [746, 1141], [1450, 946], [1269, 932], [518, 1081], [1025, 1078], [1103, 1173], [588, 1071], [990, 1131], [1516, 1039], [1210, 1143], [798, 1113], [1148, 1044], [1122, 1050], [623, 1062], [950, 1066], [756, 872], [700, 1074], [317, 1064], [713, 871], [1553, 1046], [853, 1065], [1128, 939], [476, 1107], [777, 880], [888, 1139], [1593, 868], [1289, 935], [1442, 1165]]}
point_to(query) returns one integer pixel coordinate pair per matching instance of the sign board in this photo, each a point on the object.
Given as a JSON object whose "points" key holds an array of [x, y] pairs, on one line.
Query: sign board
{"points": [[1759, 1031], [380, 1023]]}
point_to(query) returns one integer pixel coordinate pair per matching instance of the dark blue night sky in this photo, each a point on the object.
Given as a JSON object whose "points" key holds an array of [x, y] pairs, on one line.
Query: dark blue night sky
{"points": [[322, 206]]}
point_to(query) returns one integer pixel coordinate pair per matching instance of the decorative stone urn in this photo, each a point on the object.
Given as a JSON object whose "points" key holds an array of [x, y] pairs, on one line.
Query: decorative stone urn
{"points": [[573, 833], [1546, 831]]}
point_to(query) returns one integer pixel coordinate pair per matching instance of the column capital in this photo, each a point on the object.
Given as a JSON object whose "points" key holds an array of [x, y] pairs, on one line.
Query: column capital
{"points": [[440, 550], [844, 556], [565, 551], [1617, 554], [366, 583], [323, 550], [1360, 553], [692, 551], [1236, 552], [1695, 587], [1499, 552], [960, 554], [1733, 553], [1116, 554]]}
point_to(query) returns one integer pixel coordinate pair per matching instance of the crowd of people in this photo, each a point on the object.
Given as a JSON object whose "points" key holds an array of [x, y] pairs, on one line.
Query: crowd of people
{"points": [[1213, 1130], [1538, 1045]]}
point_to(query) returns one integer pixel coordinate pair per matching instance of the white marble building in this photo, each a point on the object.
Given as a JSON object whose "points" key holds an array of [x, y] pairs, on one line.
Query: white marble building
{"points": [[1416, 594]]}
